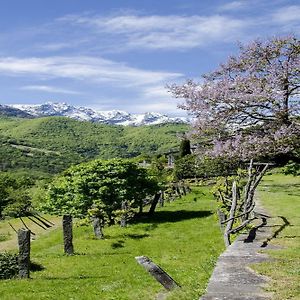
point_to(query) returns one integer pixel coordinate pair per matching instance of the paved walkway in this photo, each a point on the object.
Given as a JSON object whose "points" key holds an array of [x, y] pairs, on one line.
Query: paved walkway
{"points": [[232, 279]]}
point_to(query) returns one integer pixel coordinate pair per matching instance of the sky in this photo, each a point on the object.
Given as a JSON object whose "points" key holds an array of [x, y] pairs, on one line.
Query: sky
{"points": [[121, 54]]}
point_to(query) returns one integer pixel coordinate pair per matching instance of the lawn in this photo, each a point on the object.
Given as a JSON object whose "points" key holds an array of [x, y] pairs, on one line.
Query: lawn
{"points": [[183, 238], [280, 195]]}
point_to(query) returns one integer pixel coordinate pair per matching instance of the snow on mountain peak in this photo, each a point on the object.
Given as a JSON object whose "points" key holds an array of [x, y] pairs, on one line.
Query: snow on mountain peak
{"points": [[117, 117]]}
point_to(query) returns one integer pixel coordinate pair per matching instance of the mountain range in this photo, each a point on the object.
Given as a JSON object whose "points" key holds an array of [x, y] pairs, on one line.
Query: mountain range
{"points": [[113, 117]]}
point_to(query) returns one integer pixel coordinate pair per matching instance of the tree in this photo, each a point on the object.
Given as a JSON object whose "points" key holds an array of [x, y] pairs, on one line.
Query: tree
{"points": [[248, 108], [250, 104], [193, 166], [98, 189], [15, 200]]}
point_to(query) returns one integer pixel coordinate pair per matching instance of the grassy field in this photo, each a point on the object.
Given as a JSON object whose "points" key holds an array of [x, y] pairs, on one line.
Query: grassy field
{"points": [[280, 195], [183, 238]]}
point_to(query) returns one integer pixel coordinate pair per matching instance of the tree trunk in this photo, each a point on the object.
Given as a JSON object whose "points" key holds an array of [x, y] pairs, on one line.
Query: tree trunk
{"points": [[154, 203], [162, 199], [231, 215], [141, 207], [24, 252], [68, 234], [247, 199], [98, 225], [178, 191], [285, 110]]}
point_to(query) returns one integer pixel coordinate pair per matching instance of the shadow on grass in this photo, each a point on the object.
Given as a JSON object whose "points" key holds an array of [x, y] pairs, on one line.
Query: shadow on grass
{"points": [[275, 234], [136, 236], [79, 277], [289, 188], [172, 216], [118, 244], [35, 267]]}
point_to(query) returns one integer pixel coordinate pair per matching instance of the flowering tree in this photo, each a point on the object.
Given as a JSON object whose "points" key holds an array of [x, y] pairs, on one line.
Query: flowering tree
{"points": [[248, 108], [250, 104]]}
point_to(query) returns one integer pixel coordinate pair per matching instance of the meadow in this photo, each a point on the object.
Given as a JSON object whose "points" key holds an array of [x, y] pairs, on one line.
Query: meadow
{"points": [[183, 237]]}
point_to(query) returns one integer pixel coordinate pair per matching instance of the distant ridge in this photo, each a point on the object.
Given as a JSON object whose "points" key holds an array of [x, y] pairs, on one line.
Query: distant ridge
{"points": [[116, 117], [10, 111]]}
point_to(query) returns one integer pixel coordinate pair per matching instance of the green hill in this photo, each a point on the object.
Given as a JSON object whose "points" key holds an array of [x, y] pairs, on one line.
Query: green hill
{"points": [[52, 144]]}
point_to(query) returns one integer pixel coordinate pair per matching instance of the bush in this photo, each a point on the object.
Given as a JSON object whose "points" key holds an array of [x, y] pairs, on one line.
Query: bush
{"points": [[292, 168], [191, 166], [8, 265]]}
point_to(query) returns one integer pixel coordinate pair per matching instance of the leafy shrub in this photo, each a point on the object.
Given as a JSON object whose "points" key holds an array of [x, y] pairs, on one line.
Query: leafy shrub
{"points": [[19, 204], [8, 265], [292, 168], [191, 166]]}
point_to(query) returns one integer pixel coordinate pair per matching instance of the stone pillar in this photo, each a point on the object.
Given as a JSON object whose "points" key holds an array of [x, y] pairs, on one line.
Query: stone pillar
{"points": [[97, 225], [24, 252], [68, 234], [157, 272]]}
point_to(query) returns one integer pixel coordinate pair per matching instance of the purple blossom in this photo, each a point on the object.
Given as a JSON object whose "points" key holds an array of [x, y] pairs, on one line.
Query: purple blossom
{"points": [[251, 103]]}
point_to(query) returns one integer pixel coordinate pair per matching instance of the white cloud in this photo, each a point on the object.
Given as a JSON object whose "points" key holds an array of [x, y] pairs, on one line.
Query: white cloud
{"points": [[233, 6], [55, 46], [85, 68], [287, 14], [159, 91], [49, 89], [163, 32]]}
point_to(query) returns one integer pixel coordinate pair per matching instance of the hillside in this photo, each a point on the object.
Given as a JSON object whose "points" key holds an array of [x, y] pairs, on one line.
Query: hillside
{"points": [[51, 144]]}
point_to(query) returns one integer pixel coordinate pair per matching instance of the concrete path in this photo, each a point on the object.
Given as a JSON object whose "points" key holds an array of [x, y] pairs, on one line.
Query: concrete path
{"points": [[232, 279]]}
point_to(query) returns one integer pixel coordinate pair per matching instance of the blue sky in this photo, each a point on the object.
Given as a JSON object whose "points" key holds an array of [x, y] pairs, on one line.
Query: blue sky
{"points": [[113, 54]]}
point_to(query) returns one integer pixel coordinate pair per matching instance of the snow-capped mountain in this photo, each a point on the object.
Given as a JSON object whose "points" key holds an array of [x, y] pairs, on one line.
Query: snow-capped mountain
{"points": [[116, 117], [13, 112]]}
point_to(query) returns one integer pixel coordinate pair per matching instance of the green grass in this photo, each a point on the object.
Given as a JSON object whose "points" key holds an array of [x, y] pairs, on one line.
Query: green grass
{"points": [[183, 238], [280, 195]]}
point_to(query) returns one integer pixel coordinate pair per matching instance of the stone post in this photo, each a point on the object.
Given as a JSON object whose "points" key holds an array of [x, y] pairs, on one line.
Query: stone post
{"points": [[157, 272], [68, 234], [97, 225], [24, 252]]}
